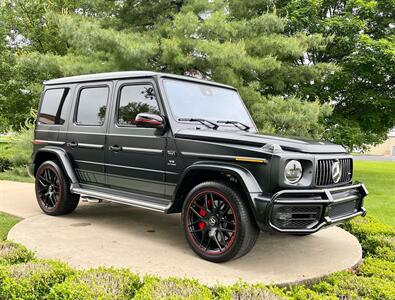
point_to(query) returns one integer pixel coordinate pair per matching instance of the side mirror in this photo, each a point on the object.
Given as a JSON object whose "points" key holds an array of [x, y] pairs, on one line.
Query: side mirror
{"points": [[148, 120]]}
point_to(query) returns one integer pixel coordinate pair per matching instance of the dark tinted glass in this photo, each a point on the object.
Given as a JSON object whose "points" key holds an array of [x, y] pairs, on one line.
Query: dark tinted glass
{"points": [[51, 111], [92, 106], [136, 99]]}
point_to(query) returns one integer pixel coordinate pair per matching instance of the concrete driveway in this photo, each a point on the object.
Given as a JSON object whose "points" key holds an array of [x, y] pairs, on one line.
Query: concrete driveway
{"points": [[108, 234]]}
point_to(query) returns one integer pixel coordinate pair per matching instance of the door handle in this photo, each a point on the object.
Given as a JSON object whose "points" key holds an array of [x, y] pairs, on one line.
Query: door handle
{"points": [[115, 148], [72, 144]]}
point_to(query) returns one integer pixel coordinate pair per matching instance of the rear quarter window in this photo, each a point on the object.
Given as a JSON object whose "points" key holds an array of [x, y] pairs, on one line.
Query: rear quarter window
{"points": [[52, 104]]}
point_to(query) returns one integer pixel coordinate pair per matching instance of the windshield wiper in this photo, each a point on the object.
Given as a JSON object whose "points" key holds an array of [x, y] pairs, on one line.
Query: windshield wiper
{"points": [[204, 122], [238, 124]]}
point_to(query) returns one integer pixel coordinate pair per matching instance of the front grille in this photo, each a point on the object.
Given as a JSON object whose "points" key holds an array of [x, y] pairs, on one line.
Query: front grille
{"points": [[323, 172], [343, 209], [296, 217]]}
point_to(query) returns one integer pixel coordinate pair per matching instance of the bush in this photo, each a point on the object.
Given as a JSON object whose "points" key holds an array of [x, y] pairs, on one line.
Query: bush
{"points": [[172, 288], [372, 235], [377, 267], [12, 253], [102, 283], [5, 164], [346, 285], [18, 149], [249, 292], [32, 280]]}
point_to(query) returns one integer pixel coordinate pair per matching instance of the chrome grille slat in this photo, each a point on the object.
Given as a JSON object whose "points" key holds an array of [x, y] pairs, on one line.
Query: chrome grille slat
{"points": [[323, 170]]}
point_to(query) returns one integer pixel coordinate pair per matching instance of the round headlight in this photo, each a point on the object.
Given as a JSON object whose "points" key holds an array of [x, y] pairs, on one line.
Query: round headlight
{"points": [[293, 171]]}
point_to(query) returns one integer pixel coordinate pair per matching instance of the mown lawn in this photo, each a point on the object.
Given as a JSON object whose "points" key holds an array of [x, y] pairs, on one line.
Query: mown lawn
{"points": [[6, 223], [379, 178]]}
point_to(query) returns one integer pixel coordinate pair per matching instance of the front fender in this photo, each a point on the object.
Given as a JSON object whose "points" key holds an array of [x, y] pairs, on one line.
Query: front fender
{"points": [[62, 157], [244, 176]]}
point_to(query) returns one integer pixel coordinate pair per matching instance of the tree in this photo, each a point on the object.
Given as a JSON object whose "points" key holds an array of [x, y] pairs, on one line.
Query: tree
{"points": [[360, 38], [198, 38]]}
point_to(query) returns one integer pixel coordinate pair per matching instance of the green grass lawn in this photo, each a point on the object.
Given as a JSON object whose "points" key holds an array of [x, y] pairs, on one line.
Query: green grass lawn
{"points": [[379, 178], [6, 223], [13, 177]]}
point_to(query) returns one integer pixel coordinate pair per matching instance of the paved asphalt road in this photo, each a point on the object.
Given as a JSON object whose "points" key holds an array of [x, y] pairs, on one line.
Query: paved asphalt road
{"points": [[147, 242]]}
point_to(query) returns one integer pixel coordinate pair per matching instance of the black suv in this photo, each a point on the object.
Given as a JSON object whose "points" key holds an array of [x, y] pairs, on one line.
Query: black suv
{"points": [[177, 144]]}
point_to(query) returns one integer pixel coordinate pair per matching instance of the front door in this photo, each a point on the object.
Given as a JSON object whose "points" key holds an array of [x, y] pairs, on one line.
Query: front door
{"points": [[86, 132], [135, 156]]}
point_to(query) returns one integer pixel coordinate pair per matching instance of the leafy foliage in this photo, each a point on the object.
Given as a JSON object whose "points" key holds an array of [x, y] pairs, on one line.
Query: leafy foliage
{"points": [[12, 253], [196, 38], [102, 283]]}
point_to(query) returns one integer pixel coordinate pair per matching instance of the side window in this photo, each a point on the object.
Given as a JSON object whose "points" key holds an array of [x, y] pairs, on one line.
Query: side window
{"points": [[92, 106], [51, 111], [136, 99]]}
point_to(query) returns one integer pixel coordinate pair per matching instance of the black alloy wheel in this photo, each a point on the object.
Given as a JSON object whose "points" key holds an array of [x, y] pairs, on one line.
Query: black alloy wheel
{"points": [[217, 222], [211, 221], [49, 191], [53, 190]]}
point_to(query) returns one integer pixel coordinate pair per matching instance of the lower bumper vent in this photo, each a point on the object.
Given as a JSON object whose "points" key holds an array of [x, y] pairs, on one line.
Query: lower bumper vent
{"points": [[343, 209], [296, 217]]}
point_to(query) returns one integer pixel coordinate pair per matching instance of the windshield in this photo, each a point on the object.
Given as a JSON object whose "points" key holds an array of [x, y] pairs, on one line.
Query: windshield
{"points": [[202, 101]]}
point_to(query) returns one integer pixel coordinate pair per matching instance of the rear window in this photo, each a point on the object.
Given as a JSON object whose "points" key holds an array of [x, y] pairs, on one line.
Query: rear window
{"points": [[51, 110], [92, 106]]}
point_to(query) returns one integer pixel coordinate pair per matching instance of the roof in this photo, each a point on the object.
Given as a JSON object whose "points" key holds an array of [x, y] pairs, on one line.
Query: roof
{"points": [[125, 75]]}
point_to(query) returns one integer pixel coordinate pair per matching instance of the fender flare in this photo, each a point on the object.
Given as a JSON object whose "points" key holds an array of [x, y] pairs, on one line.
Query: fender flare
{"points": [[64, 160], [244, 176]]}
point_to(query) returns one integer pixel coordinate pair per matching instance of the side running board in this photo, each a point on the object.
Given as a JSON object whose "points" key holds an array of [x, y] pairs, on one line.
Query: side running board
{"points": [[147, 204]]}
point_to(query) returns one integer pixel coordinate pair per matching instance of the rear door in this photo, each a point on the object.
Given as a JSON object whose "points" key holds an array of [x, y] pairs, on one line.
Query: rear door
{"points": [[135, 155], [86, 134]]}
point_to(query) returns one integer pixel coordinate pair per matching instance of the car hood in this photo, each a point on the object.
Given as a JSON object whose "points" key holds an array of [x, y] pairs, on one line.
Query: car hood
{"points": [[259, 140]]}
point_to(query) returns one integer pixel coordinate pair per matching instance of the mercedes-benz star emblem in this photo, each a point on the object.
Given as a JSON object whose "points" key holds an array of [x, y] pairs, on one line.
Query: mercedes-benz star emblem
{"points": [[336, 172], [212, 221]]}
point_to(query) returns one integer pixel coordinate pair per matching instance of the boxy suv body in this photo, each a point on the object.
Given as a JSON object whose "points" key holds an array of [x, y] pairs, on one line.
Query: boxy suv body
{"points": [[177, 144]]}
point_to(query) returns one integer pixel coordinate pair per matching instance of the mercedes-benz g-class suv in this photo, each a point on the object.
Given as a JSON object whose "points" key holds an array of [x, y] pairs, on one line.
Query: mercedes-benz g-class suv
{"points": [[175, 144]]}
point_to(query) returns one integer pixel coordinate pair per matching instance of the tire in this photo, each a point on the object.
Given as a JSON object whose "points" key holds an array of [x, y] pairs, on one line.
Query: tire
{"points": [[53, 190], [217, 223]]}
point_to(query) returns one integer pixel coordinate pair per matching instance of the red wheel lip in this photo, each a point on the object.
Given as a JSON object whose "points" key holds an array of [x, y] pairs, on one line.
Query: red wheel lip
{"points": [[191, 238]]}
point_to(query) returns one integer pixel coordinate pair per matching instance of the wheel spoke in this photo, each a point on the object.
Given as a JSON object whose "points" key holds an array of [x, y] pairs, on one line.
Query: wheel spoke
{"points": [[197, 230], [208, 243], [196, 213], [206, 202], [213, 202], [217, 242], [41, 181], [226, 230], [194, 223]]}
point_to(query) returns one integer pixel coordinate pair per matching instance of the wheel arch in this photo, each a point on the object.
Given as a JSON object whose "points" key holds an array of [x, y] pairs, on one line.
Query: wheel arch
{"points": [[50, 153], [200, 172]]}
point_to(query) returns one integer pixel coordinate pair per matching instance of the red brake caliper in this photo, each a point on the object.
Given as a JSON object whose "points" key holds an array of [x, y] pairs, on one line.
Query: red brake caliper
{"points": [[201, 224]]}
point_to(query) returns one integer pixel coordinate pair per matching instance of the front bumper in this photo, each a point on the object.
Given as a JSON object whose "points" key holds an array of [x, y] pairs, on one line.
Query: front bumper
{"points": [[307, 211]]}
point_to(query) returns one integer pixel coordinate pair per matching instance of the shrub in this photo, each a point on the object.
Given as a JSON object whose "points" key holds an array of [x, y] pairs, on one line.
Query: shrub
{"points": [[249, 292], [372, 235], [346, 285], [32, 280], [17, 151], [12, 253], [5, 164], [378, 268], [102, 283], [172, 288]]}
